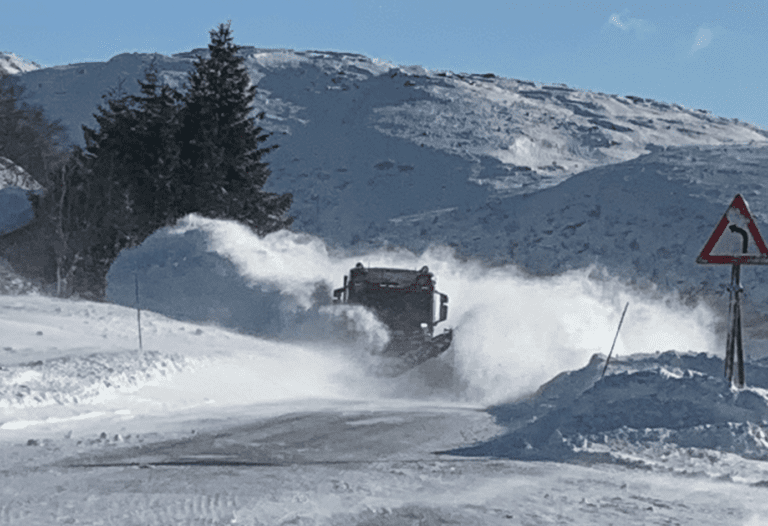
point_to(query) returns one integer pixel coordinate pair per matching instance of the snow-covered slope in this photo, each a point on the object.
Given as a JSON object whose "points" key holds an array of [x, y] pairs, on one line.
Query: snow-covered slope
{"points": [[362, 142], [68, 358], [542, 176], [12, 64], [645, 219], [516, 135]]}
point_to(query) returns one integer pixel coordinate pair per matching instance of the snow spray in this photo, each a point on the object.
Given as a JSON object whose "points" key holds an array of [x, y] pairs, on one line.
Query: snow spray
{"points": [[512, 331]]}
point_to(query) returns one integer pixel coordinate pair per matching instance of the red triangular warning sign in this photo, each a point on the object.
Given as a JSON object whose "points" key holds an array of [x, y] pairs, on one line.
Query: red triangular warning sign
{"points": [[736, 240]]}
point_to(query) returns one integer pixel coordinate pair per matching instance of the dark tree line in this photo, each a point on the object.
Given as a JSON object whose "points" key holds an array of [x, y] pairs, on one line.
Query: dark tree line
{"points": [[154, 158], [27, 137]]}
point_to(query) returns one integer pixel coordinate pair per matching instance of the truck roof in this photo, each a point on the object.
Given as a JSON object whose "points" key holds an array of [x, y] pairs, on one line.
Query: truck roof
{"points": [[394, 276]]}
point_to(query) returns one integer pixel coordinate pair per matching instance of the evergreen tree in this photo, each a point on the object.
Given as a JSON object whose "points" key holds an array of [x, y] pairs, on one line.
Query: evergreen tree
{"points": [[153, 194], [155, 157], [136, 145], [221, 152], [102, 200], [27, 137], [118, 190]]}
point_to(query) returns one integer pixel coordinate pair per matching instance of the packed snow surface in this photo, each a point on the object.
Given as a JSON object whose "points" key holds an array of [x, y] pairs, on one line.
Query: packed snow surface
{"points": [[64, 359]]}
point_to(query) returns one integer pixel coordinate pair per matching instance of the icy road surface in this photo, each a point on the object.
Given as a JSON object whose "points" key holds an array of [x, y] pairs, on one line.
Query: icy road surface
{"points": [[207, 426], [340, 465]]}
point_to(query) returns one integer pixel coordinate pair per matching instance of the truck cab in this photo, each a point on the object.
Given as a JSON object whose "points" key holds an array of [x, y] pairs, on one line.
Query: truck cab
{"points": [[406, 302], [402, 299]]}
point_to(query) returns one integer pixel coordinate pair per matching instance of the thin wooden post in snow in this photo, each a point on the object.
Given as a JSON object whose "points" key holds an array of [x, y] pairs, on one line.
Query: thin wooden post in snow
{"points": [[614, 339], [138, 310]]}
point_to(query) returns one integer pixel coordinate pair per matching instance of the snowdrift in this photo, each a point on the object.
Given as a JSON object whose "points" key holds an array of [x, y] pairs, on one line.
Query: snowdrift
{"points": [[75, 379], [66, 360], [644, 408]]}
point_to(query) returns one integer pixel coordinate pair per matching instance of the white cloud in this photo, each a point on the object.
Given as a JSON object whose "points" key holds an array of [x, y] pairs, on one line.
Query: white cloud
{"points": [[625, 23], [616, 21], [702, 39]]}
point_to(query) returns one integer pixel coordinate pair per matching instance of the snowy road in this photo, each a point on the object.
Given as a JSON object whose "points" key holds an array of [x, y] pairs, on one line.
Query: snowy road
{"points": [[340, 465], [208, 426]]}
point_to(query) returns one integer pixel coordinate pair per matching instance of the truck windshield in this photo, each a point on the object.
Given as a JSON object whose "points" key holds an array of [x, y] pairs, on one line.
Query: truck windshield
{"points": [[398, 308]]}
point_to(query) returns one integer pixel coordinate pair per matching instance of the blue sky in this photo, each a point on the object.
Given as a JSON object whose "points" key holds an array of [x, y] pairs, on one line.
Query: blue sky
{"points": [[701, 55]]}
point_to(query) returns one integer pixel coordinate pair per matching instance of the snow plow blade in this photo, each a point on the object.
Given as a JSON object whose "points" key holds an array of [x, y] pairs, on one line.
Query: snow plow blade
{"points": [[403, 354]]}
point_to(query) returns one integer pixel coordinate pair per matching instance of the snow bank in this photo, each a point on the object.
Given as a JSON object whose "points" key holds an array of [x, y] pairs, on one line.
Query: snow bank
{"points": [[644, 404], [66, 360], [80, 379], [13, 284]]}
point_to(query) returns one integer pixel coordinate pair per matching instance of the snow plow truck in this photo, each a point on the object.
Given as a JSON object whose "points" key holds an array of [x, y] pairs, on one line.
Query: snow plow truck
{"points": [[404, 301]]}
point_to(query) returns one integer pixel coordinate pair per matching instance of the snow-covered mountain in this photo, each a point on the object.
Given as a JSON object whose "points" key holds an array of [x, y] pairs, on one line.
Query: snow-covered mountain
{"points": [[12, 64], [517, 135], [541, 176]]}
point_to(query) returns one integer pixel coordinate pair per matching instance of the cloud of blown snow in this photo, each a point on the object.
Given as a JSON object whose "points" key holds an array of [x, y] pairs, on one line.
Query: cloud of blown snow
{"points": [[512, 332]]}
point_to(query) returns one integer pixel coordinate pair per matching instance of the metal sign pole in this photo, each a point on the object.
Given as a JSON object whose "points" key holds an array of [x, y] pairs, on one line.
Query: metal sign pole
{"points": [[737, 328], [734, 351], [728, 363]]}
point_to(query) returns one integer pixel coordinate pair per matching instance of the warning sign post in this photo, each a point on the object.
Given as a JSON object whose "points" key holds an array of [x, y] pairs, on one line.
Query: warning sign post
{"points": [[736, 241]]}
